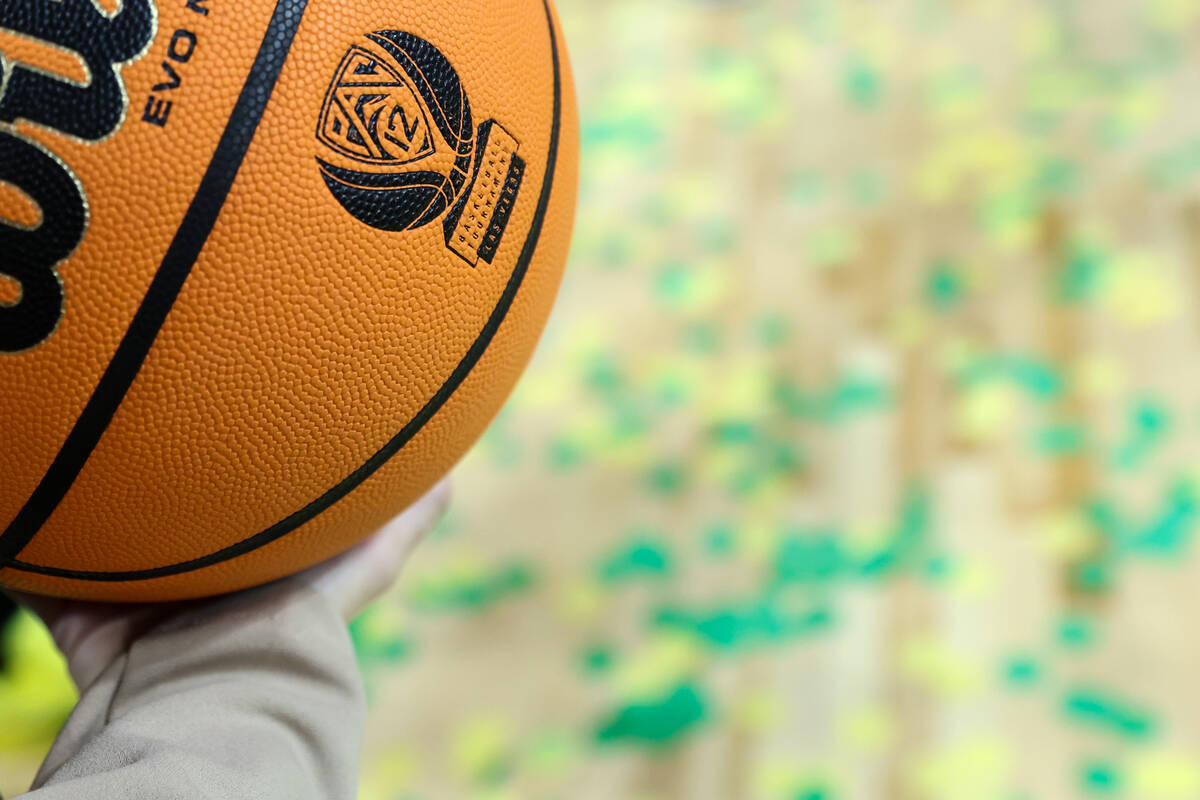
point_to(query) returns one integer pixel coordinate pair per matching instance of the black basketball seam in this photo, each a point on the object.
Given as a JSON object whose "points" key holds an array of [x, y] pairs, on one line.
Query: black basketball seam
{"points": [[164, 288], [431, 407]]}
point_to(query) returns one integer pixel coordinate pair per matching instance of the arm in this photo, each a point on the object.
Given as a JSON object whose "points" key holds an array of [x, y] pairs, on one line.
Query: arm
{"points": [[254, 694]]}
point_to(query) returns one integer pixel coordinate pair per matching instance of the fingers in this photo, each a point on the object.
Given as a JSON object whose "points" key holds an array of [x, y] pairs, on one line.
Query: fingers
{"points": [[358, 576], [89, 635], [395, 540]]}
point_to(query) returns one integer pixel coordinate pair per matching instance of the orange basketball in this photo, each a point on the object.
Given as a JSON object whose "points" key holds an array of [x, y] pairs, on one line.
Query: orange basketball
{"points": [[267, 269]]}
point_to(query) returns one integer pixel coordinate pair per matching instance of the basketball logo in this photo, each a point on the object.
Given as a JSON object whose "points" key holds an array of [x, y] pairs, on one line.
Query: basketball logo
{"points": [[399, 148], [90, 112]]}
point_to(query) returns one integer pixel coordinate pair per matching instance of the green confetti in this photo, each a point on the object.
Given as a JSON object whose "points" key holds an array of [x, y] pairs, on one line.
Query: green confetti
{"points": [[646, 556], [1076, 632], [1098, 709], [1056, 177], [863, 84], [945, 288], [703, 337], [854, 394], [675, 282], [656, 723], [773, 330], [666, 479], [1038, 378], [810, 559], [907, 540], [805, 187], [1022, 671], [564, 454], [1063, 439], [720, 540], [867, 187], [737, 627], [372, 647], [736, 433], [1077, 279], [637, 133], [596, 658], [849, 396], [1149, 423], [813, 793], [1100, 778], [938, 568], [603, 375], [476, 593], [1167, 534]]}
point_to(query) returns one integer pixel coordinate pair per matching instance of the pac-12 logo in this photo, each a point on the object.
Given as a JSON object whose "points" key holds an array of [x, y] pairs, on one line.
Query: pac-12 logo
{"points": [[400, 150], [91, 112]]}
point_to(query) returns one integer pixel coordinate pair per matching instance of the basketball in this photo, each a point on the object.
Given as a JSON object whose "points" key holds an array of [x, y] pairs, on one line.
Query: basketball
{"points": [[267, 270]]}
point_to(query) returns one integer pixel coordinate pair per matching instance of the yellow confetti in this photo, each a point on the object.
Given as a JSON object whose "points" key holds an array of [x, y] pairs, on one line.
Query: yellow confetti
{"points": [[482, 746], [909, 325], [590, 334], [582, 601], [871, 33], [1098, 375], [975, 769], [1140, 105], [1136, 290], [759, 539], [984, 412], [999, 160], [933, 663], [1057, 89], [659, 666], [870, 729], [719, 465], [759, 712], [787, 50], [974, 578], [552, 754], [456, 568], [867, 536], [389, 774], [1162, 775], [956, 353], [543, 390], [742, 393], [1065, 535]]}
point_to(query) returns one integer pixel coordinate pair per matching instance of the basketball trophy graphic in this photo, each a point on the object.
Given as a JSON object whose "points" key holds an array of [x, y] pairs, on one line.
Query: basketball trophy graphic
{"points": [[398, 120]]}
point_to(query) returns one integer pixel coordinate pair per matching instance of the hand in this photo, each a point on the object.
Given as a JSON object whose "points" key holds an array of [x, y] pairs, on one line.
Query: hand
{"points": [[91, 635]]}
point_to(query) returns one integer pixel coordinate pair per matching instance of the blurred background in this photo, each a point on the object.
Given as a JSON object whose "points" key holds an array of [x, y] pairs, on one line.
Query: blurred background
{"points": [[859, 459]]}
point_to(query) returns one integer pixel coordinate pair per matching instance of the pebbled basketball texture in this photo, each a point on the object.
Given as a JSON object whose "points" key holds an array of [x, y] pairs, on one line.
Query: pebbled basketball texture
{"points": [[267, 270]]}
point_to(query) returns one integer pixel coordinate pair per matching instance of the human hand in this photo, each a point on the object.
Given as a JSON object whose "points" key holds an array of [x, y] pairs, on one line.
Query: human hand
{"points": [[91, 634]]}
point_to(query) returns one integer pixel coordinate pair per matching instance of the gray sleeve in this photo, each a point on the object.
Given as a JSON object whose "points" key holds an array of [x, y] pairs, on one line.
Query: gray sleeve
{"points": [[254, 695]]}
